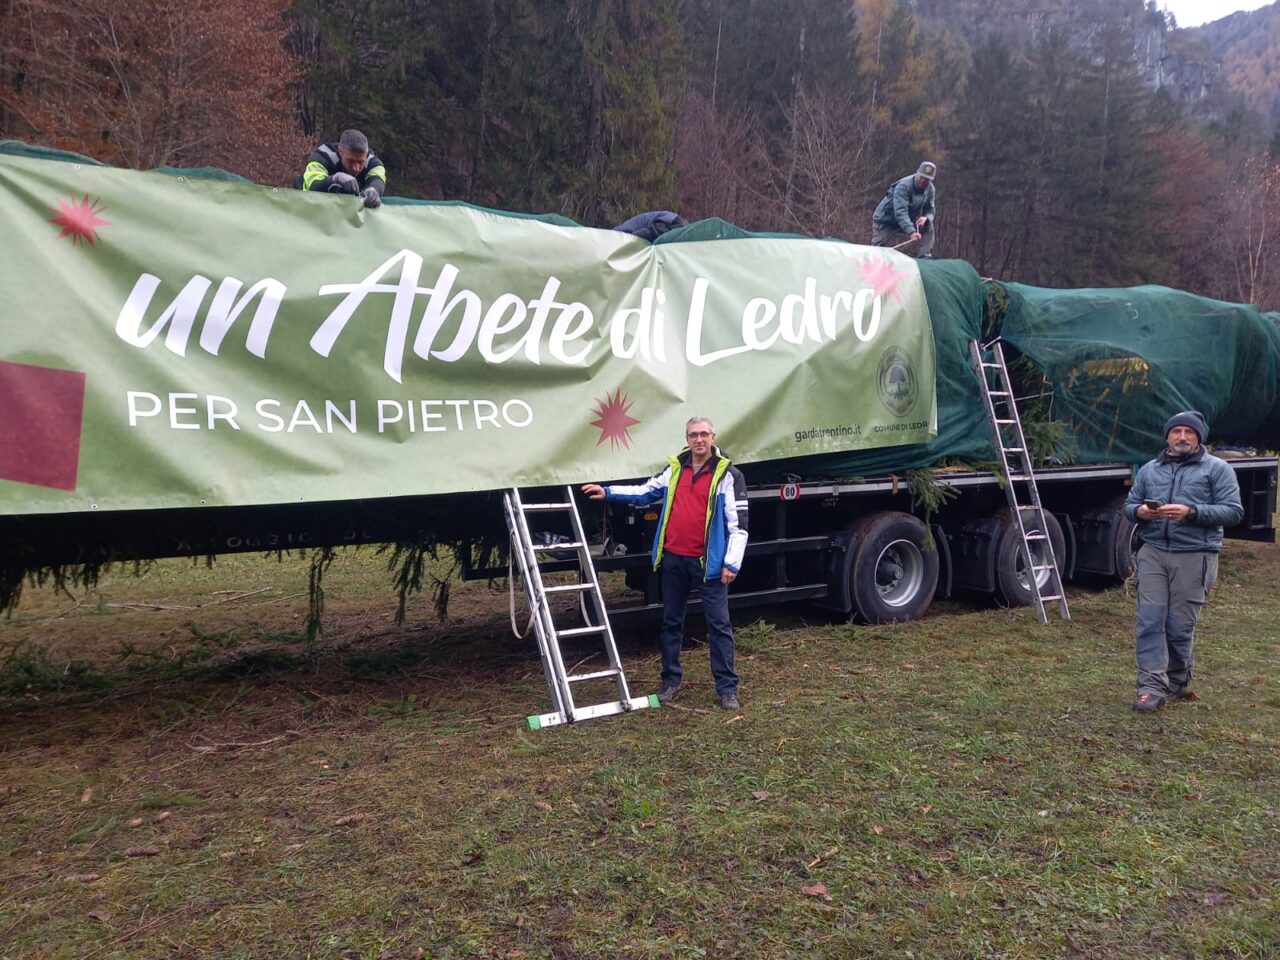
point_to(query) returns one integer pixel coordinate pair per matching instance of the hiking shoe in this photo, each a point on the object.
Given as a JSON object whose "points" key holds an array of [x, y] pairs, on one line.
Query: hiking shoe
{"points": [[729, 701], [1183, 694], [668, 692], [1148, 703]]}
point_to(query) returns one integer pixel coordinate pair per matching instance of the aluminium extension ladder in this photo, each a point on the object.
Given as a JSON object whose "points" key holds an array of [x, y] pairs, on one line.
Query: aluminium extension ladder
{"points": [[526, 552], [1006, 428]]}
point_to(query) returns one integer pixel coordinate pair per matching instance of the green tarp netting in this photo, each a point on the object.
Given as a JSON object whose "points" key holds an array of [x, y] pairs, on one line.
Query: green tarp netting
{"points": [[1122, 361]]}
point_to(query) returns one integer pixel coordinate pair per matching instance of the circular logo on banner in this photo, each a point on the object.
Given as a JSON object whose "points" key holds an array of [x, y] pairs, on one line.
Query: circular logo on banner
{"points": [[896, 381]]}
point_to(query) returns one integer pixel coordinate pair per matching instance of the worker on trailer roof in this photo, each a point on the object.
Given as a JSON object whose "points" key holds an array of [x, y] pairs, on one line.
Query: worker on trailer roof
{"points": [[348, 166], [906, 212]]}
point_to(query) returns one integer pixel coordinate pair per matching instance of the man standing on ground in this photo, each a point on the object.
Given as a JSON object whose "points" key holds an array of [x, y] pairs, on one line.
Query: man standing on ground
{"points": [[347, 166], [906, 212], [1182, 499], [700, 541]]}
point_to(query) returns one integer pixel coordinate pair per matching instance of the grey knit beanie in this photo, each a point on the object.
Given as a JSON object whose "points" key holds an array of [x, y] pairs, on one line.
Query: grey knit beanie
{"points": [[1189, 418]]}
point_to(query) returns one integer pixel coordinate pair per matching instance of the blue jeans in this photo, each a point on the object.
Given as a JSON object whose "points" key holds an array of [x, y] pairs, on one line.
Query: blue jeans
{"points": [[680, 576]]}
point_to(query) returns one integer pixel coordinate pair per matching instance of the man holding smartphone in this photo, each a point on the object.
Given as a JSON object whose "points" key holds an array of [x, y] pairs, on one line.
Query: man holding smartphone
{"points": [[1181, 500]]}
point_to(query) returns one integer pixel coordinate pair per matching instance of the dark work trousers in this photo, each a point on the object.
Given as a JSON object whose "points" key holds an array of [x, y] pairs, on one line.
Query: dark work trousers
{"points": [[1172, 588], [680, 577], [886, 235]]}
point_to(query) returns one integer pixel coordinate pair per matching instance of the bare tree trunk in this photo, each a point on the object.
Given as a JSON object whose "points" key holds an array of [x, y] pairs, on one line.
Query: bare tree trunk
{"points": [[982, 225], [482, 107], [1102, 154], [304, 41], [796, 81], [715, 70], [10, 69]]}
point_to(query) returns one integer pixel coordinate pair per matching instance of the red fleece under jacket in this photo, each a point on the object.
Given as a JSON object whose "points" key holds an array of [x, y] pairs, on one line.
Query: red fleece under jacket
{"points": [[687, 528]]}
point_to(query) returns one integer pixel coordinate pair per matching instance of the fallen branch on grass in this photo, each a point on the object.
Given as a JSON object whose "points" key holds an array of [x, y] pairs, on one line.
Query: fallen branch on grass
{"points": [[215, 747], [292, 596], [676, 706], [187, 606]]}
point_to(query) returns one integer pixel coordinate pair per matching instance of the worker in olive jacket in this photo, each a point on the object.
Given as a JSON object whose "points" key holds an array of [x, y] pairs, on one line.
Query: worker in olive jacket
{"points": [[906, 212]]}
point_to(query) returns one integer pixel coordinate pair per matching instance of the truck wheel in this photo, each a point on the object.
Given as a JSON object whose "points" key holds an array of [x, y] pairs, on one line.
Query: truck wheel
{"points": [[895, 568], [1013, 586], [1126, 543]]}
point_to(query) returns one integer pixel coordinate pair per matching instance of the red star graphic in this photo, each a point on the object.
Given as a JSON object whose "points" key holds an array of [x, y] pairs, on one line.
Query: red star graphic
{"points": [[79, 219], [882, 277], [615, 423]]}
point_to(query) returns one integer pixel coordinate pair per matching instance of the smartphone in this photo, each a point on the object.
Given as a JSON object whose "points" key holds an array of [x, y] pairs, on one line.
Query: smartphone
{"points": [[1152, 504]]}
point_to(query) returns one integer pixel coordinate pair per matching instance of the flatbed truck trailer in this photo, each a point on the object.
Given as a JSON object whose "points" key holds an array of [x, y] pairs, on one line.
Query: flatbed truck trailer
{"points": [[193, 393], [859, 547]]}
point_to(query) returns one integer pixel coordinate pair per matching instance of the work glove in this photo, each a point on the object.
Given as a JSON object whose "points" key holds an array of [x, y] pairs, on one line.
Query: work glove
{"points": [[372, 199], [343, 183]]}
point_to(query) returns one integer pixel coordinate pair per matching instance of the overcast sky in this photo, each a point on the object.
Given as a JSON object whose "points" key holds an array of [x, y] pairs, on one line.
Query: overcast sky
{"points": [[1192, 13]]}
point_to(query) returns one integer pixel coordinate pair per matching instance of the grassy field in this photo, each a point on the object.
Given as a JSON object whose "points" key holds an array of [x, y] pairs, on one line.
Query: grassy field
{"points": [[183, 775]]}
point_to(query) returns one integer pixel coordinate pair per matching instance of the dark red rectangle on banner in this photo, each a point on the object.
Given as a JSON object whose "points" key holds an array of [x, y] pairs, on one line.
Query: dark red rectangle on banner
{"points": [[41, 410]]}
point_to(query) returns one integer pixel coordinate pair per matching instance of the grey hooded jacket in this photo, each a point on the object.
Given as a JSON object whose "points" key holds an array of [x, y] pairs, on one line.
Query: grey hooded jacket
{"points": [[1203, 482], [903, 203]]}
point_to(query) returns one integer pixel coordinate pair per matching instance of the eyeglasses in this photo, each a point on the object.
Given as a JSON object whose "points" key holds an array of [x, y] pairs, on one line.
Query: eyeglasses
{"points": [[699, 435]]}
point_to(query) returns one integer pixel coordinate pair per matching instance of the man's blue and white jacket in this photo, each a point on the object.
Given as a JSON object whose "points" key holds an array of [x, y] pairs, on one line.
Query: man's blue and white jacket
{"points": [[726, 532]]}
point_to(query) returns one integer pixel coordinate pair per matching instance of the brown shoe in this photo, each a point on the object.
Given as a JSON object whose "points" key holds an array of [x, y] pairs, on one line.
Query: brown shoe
{"points": [[1148, 703]]}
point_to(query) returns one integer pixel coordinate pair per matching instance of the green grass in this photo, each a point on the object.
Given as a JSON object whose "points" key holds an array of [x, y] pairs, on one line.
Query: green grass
{"points": [[969, 785]]}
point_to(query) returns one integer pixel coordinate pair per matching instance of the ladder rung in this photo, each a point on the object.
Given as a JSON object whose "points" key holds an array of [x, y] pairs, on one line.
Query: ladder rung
{"points": [[1005, 422], [1042, 566], [550, 637], [1013, 449], [1019, 477], [998, 393], [993, 366], [579, 677], [1052, 597], [1036, 536], [580, 631]]}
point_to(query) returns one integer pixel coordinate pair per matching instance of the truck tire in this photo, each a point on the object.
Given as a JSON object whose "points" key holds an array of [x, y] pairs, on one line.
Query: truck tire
{"points": [[1126, 543], [895, 568], [1013, 588]]}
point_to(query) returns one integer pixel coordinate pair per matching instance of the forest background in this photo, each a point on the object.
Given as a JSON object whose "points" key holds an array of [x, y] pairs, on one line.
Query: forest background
{"points": [[1079, 142]]}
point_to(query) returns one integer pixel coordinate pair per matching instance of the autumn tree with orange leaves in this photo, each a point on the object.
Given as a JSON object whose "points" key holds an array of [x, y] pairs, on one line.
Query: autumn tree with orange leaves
{"points": [[153, 83]]}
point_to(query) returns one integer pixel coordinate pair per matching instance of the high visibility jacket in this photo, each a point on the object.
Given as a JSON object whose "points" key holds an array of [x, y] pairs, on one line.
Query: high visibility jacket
{"points": [[726, 539], [325, 162]]}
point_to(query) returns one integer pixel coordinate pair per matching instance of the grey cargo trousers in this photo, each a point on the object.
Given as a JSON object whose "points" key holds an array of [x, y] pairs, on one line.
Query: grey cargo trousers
{"points": [[1172, 588]]}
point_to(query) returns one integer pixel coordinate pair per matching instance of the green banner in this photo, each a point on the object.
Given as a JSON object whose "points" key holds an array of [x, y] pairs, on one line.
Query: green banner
{"points": [[170, 342]]}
